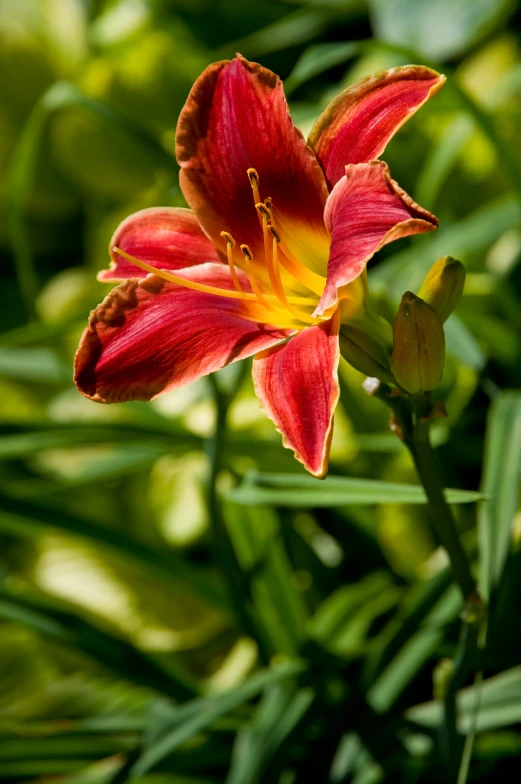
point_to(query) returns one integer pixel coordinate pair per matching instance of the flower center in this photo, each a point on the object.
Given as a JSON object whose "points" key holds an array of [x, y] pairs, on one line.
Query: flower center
{"points": [[272, 306]]}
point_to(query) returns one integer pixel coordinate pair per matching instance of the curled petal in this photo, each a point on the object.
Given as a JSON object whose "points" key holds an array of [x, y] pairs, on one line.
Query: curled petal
{"points": [[150, 336], [166, 237], [365, 210], [358, 123], [297, 386], [235, 119]]}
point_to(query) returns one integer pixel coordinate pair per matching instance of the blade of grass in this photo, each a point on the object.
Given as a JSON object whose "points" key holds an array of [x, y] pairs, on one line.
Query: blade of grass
{"points": [[501, 473]]}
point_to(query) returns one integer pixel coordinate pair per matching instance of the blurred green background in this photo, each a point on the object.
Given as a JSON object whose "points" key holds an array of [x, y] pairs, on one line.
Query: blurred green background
{"points": [[179, 602]]}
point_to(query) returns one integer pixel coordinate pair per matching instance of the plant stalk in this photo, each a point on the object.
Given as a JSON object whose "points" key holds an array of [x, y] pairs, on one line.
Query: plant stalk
{"points": [[418, 442]]}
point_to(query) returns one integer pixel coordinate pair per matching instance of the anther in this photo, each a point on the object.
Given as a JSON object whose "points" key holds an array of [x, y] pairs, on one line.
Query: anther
{"points": [[273, 232], [247, 252], [253, 176], [263, 210], [228, 237], [268, 201]]}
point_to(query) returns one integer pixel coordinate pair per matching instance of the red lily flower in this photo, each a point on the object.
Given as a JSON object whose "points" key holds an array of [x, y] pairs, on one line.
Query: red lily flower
{"points": [[274, 247]]}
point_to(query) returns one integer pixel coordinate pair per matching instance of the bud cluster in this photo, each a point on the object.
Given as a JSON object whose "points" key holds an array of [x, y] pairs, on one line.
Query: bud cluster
{"points": [[415, 357]]}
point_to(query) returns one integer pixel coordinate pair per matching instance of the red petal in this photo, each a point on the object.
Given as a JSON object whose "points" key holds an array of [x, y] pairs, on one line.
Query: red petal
{"points": [[359, 122], [297, 386], [366, 210], [166, 237], [236, 118], [150, 336]]}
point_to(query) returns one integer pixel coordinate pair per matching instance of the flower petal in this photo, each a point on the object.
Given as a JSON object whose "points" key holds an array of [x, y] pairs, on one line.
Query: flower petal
{"points": [[166, 237], [359, 122], [150, 336], [297, 386], [236, 118], [366, 210]]}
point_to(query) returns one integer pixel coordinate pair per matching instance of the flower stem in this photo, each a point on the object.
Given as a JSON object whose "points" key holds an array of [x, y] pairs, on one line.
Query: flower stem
{"points": [[419, 445], [411, 421]]}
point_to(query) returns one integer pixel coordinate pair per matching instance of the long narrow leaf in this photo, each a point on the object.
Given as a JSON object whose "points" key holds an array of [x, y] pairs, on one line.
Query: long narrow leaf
{"points": [[501, 483], [295, 490]]}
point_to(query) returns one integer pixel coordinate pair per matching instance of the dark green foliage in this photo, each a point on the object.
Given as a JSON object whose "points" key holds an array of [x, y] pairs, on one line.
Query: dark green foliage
{"points": [[179, 602]]}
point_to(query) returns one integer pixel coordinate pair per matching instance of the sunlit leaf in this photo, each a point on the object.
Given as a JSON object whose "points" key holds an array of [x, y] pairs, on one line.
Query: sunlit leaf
{"points": [[501, 484], [295, 490]]}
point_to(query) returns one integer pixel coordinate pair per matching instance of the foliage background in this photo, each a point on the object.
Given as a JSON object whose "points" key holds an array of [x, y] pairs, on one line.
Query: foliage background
{"points": [[179, 603]]}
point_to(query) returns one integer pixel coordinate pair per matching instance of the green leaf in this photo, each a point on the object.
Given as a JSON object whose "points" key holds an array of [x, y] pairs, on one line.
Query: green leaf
{"points": [[193, 717], [416, 605], [165, 438], [280, 712], [27, 518], [296, 491], [23, 168], [33, 364], [258, 543], [462, 345], [317, 59], [500, 705], [417, 649], [342, 622], [439, 29], [64, 746], [501, 484], [295, 28], [114, 653], [441, 160]]}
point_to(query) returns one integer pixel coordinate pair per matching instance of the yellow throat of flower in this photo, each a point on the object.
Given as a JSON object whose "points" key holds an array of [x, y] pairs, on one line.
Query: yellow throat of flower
{"points": [[268, 301]]}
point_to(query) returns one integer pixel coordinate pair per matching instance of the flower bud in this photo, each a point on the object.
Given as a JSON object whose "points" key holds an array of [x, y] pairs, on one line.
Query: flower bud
{"points": [[365, 353], [443, 286], [418, 345]]}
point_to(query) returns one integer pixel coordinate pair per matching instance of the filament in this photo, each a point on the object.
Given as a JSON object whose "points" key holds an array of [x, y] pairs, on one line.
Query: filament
{"points": [[203, 287], [279, 290], [312, 280], [230, 245], [248, 257]]}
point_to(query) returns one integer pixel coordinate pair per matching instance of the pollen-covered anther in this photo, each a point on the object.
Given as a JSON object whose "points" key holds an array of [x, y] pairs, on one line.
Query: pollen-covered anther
{"points": [[253, 177], [247, 252], [228, 238], [254, 182], [273, 232], [263, 210]]}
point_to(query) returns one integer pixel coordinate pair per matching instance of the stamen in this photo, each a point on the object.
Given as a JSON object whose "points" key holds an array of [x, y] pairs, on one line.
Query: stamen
{"points": [[230, 245], [264, 212], [248, 255], [254, 182], [310, 279], [206, 289], [268, 201], [279, 289]]}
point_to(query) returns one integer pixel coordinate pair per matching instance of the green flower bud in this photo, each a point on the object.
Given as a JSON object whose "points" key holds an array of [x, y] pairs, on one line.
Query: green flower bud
{"points": [[365, 353], [418, 346], [443, 286]]}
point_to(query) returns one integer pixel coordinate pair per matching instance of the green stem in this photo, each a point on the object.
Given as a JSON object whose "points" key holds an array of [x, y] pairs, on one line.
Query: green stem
{"points": [[411, 421], [424, 458]]}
